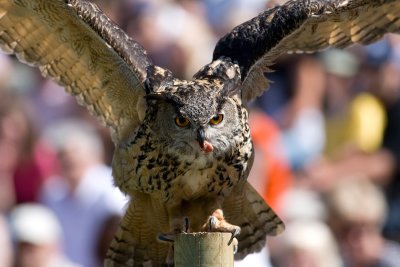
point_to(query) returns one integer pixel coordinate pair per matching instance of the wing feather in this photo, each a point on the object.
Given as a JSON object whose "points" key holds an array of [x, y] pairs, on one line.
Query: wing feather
{"points": [[246, 208], [52, 36], [132, 52], [303, 26]]}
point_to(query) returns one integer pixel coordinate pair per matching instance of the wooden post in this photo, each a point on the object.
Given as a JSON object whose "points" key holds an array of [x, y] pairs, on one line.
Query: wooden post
{"points": [[203, 250]]}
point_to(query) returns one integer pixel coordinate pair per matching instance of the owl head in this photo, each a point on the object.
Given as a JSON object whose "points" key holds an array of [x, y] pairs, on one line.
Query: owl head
{"points": [[198, 115]]}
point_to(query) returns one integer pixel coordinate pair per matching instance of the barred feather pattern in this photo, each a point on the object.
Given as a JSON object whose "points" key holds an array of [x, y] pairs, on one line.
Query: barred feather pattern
{"points": [[52, 37]]}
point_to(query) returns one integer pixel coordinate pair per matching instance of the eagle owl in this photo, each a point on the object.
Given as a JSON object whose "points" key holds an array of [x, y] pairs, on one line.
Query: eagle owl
{"points": [[183, 148]]}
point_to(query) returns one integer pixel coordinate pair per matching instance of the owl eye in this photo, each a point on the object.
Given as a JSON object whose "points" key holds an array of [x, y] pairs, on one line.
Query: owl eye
{"points": [[181, 121], [217, 119]]}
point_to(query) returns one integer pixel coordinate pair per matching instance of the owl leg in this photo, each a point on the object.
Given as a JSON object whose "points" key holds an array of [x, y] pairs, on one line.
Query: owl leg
{"points": [[178, 224], [121, 248], [170, 237], [217, 223], [123, 251]]}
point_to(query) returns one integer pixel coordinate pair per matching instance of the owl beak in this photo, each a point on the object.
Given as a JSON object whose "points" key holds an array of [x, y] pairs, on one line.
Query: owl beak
{"points": [[205, 146]]}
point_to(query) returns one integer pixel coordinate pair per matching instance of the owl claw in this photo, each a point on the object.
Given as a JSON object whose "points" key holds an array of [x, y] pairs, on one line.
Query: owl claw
{"points": [[186, 225], [170, 238], [217, 223], [235, 232], [212, 223], [235, 244]]}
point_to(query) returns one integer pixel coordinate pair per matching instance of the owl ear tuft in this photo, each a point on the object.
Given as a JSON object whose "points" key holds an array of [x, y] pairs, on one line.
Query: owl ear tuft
{"points": [[156, 79], [225, 71]]}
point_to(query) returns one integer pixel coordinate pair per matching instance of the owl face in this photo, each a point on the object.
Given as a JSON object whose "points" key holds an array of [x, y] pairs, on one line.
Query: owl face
{"points": [[194, 117]]}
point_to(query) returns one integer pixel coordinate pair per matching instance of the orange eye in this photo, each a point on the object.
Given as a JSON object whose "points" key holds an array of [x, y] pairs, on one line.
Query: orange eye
{"points": [[181, 121], [217, 119]]}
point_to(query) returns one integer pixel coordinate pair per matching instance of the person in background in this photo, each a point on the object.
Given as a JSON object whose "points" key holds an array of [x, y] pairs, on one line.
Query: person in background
{"points": [[302, 118], [307, 243], [307, 240], [6, 250], [37, 235], [271, 174], [390, 95], [357, 211], [82, 196], [26, 160], [355, 123]]}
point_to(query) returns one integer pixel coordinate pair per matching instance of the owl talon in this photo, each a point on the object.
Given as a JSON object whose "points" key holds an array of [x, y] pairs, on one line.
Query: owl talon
{"points": [[186, 225], [217, 223], [235, 245], [168, 237], [212, 223], [235, 232]]}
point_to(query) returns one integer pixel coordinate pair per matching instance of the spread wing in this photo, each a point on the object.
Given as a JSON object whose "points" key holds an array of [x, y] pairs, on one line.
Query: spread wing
{"points": [[76, 45], [303, 26]]}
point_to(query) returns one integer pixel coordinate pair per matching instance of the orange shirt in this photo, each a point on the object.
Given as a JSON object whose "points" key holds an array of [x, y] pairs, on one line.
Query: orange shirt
{"points": [[271, 174]]}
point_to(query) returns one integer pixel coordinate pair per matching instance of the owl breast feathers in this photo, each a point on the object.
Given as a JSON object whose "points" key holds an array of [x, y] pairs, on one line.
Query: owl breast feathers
{"points": [[183, 148]]}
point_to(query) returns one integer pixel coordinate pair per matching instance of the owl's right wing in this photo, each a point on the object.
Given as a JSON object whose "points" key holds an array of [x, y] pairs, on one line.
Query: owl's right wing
{"points": [[75, 44]]}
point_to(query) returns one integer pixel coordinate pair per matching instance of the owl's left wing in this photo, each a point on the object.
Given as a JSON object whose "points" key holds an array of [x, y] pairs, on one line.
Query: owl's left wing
{"points": [[247, 209], [303, 26], [75, 44]]}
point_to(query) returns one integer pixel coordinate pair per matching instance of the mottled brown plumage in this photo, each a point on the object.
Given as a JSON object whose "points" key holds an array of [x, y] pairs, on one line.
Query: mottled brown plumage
{"points": [[183, 148]]}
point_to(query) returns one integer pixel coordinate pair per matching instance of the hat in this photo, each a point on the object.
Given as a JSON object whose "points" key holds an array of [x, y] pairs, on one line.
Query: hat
{"points": [[34, 224], [341, 63]]}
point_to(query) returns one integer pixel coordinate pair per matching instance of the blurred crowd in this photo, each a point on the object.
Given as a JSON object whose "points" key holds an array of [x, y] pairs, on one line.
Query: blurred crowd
{"points": [[326, 136]]}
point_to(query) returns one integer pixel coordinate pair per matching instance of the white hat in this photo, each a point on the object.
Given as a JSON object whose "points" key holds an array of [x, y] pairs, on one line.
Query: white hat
{"points": [[339, 62], [35, 224]]}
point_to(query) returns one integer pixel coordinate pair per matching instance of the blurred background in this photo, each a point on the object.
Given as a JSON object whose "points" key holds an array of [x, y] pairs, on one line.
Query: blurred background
{"points": [[326, 135]]}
